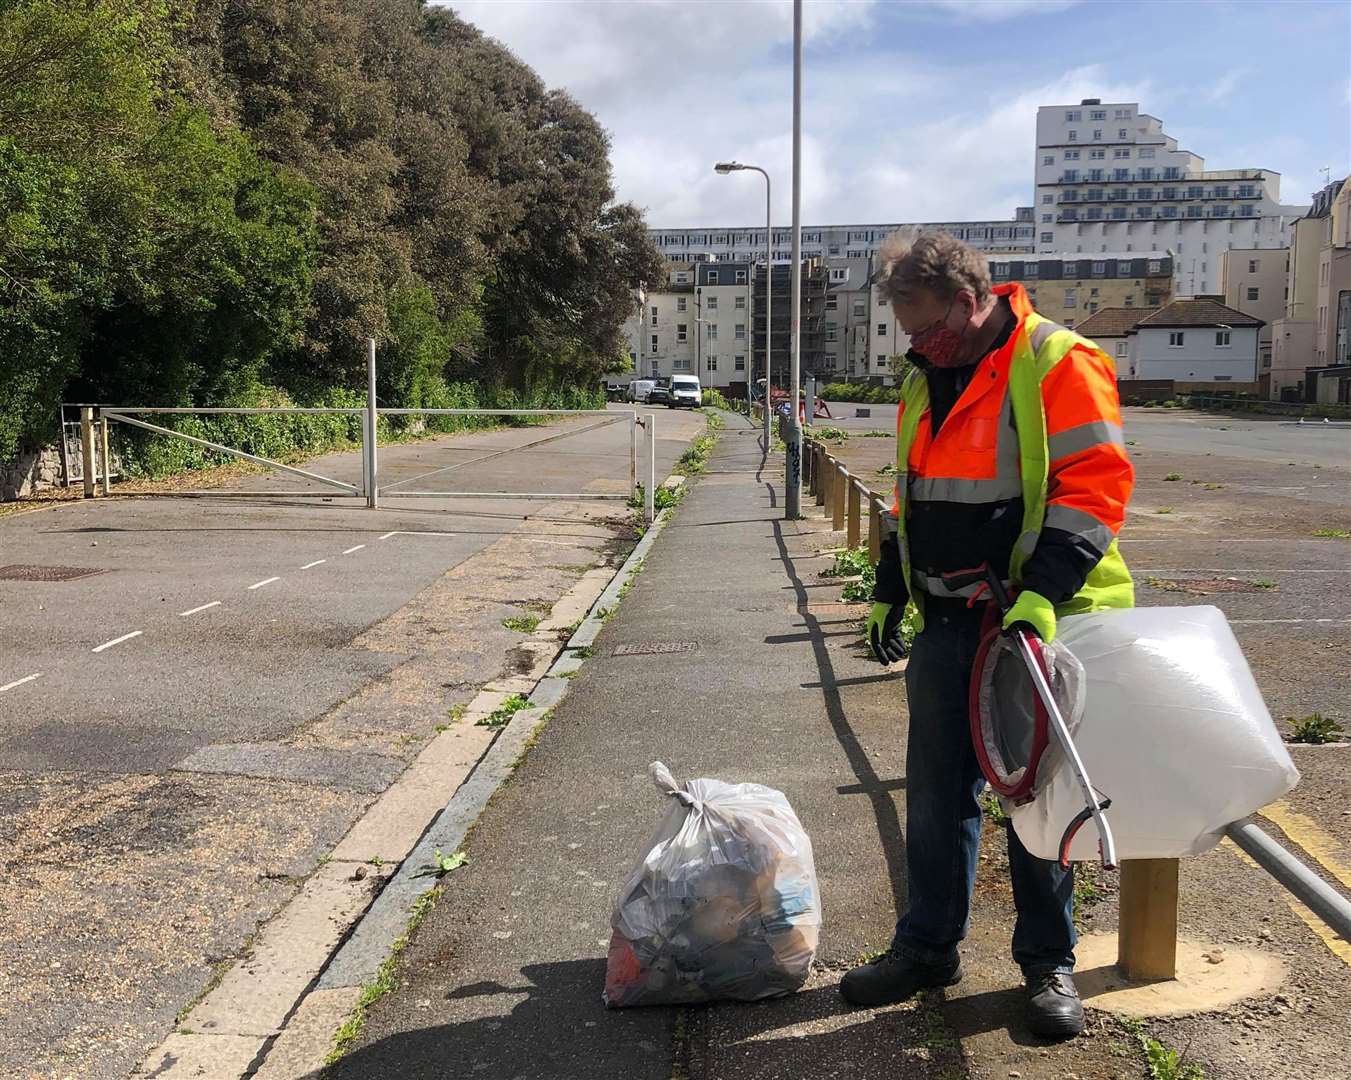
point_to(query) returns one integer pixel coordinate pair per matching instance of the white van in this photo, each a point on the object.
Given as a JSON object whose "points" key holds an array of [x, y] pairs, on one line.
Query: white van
{"points": [[685, 392], [639, 390]]}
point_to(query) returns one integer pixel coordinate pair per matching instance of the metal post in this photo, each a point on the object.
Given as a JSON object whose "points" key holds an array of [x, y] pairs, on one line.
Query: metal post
{"points": [[792, 500], [87, 449], [1147, 926], [839, 487], [633, 452], [769, 292], [104, 456], [650, 495], [853, 515], [1322, 899], [372, 430]]}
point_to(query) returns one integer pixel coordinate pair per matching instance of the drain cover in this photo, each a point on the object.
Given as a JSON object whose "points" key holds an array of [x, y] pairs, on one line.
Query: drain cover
{"points": [[654, 648], [20, 572]]}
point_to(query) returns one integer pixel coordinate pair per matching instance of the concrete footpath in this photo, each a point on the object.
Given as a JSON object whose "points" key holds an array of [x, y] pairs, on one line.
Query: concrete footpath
{"points": [[770, 683]]}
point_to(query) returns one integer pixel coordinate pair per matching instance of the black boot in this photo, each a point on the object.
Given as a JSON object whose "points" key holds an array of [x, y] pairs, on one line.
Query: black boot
{"points": [[891, 978], [1053, 1007]]}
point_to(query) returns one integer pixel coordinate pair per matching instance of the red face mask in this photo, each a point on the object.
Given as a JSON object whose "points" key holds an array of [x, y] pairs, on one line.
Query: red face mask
{"points": [[938, 343]]}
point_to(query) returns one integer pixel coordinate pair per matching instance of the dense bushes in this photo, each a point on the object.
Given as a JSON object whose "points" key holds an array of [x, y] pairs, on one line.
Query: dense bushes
{"points": [[216, 203], [875, 395]]}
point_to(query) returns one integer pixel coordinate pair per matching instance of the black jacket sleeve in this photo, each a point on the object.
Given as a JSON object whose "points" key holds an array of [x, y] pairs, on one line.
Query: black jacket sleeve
{"points": [[890, 585]]}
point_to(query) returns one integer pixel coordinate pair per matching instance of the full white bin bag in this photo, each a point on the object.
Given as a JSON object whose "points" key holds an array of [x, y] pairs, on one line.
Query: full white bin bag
{"points": [[1175, 733]]}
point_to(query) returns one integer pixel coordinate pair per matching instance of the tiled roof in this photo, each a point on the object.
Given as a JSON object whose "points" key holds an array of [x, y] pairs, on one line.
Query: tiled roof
{"points": [[1197, 311], [1111, 322]]}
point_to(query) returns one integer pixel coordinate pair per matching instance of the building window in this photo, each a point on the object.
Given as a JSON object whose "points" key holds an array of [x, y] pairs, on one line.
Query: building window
{"points": [[739, 331], [1155, 266], [712, 331], [1046, 237], [1147, 153], [1071, 298], [654, 343], [1046, 219], [1099, 268], [1130, 300], [841, 274], [680, 363], [1048, 159], [1030, 270], [1121, 133], [1252, 267], [1074, 136], [739, 363], [1175, 339], [1221, 339], [1120, 349], [1119, 154], [861, 308], [881, 329], [1097, 155], [1252, 294], [1146, 174], [680, 303], [656, 369], [1097, 134], [712, 303], [1046, 200], [682, 332], [1001, 269], [1123, 114], [1098, 114], [1073, 116], [1070, 176], [712, 363], [882, 361], [741, 277], [1071, 155], [682, 277], [832, 303], [740, 303], [832, 332]]}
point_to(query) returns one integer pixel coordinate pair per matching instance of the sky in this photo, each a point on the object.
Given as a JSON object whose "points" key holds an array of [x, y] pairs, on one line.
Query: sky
{"points": [[925, 110]]}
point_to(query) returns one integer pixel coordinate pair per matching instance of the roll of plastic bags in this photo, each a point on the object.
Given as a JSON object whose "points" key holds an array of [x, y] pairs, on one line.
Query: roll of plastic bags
{"points": [[1174, 732], [724, 905]]}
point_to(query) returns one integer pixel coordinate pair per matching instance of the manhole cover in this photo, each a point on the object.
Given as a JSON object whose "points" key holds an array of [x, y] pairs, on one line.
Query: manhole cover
{"points": [[20, 572], [654, 648]]}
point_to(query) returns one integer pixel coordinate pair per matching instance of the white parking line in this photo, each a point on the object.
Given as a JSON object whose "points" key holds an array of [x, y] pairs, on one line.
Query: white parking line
{"points": [[20, 682], [352, 549], [1260, 622], [265, 581], [193, 611], [389, 534], [116, 641], [315, 563]]}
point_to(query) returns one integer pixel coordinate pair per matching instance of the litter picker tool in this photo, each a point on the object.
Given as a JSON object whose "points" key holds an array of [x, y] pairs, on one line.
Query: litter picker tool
{"points": [[1011, 741]]}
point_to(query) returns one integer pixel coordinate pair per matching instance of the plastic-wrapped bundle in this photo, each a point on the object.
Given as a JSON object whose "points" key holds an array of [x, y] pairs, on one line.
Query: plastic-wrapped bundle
{"points": [[723, 906], [1175, 733]]}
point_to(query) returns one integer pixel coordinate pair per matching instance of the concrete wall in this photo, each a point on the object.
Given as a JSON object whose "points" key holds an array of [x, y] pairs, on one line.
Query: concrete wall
{"points": [[1198, 359]]}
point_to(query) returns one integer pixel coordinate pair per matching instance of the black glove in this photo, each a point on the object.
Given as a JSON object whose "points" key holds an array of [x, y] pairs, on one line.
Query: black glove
{"points": [[884, 632]]}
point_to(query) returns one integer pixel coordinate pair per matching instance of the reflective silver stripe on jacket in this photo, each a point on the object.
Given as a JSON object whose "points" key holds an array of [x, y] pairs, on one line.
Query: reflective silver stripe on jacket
{"points": [[1084, 437], [1081, 524]]}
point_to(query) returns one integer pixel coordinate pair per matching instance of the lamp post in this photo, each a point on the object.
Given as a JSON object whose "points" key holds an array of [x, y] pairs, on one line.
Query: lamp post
{"points": [[793, 466], [722, 169]]}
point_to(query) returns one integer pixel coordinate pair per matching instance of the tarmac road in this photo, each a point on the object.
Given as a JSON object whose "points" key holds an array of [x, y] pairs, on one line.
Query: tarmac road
{"points": [[188, 729]]}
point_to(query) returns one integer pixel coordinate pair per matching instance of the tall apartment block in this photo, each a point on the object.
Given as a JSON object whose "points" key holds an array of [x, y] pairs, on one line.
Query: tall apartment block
{"points": [[1109, 179]]}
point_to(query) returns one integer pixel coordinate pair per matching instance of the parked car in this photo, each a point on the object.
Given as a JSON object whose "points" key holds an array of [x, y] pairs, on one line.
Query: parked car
{"points": [[616, 391], [639, 390], [660, 394], [685, 392]]}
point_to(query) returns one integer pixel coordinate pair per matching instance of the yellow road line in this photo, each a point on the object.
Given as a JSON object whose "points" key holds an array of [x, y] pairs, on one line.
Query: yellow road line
{"points": [[1309, 835], [1339, 948]]}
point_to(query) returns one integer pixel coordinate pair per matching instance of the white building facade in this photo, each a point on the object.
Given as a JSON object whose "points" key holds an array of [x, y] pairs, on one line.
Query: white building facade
{"points": [[1109, 179], [1195, 340]]}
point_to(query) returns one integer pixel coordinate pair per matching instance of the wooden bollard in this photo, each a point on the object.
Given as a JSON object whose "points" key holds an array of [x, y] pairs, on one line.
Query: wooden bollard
{"points": [[823, 483], [808, 463], [1147, 925], [874, 531], [105, 457], [839, 488], [852, 515]]}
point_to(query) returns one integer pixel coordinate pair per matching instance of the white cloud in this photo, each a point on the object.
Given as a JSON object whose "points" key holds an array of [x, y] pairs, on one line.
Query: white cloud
{"points": [[888, 136], [1223, 88]]}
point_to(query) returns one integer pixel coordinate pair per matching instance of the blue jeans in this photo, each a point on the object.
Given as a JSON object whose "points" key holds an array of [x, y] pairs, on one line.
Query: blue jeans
{"points": [[943, 784]]}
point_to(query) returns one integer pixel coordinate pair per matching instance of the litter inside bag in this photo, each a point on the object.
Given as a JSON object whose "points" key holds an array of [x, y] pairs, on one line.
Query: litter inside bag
{"points": [[724, 905]]}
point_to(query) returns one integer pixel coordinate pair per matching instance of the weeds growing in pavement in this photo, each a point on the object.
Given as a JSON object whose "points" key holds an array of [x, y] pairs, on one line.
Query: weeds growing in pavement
{"points": [[827, 434], [1263, 583], [1314, 729], [993, 808], [1173, 476], [522, 624], [1164, 510], [456, 712], [853, 562], [1332, 534], [1162, 1062], [1088, 888], [584, 652], [504, 712]]}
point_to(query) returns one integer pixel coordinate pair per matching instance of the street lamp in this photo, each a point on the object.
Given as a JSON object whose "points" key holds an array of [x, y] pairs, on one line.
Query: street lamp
{"points": [[722, 168]]}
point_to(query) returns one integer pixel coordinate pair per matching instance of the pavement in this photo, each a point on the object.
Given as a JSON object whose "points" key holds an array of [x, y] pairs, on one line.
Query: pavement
{"points": [[187, 732], [739, 661]]}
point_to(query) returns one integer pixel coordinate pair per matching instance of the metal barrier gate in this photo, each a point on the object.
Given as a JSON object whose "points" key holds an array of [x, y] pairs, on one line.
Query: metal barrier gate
{"points": [[94, 426]]}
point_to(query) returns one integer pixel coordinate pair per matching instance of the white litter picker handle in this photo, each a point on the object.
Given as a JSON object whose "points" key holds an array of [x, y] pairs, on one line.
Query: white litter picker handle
{"points": [[1093, 807]]}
